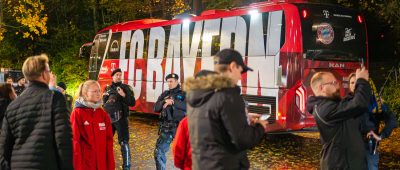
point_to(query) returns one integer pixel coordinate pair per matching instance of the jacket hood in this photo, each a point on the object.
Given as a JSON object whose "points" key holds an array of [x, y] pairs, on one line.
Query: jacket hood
{"points": [[201, 89], [311, 102], [80, 103]]}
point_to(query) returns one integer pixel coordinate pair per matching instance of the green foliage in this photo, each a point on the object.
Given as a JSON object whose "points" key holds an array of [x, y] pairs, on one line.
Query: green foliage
{"points": [[70, 68], [221, 4], [391, 94], [59, 28]]}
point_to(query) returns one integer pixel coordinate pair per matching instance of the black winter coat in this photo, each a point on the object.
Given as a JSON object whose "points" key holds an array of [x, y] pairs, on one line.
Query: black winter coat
{"points": [[4, 102], [36, 132], [176, 112], [127, 101], [19, 89], [339, 126], [218, 129]]}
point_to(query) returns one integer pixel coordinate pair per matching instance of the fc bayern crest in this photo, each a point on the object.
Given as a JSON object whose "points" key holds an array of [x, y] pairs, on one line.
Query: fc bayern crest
{"points": [[325, 33]]}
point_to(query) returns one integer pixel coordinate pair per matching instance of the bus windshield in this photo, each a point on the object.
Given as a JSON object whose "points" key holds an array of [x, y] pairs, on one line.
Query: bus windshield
{"points": [[332, 33]]}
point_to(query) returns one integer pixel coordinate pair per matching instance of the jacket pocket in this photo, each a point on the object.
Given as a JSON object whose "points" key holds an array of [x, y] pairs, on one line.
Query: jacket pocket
{"points": [[334, 158]]}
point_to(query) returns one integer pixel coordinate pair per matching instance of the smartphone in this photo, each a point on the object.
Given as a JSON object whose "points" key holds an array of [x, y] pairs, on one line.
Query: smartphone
{"points": [[265, 116], [362, 63]]}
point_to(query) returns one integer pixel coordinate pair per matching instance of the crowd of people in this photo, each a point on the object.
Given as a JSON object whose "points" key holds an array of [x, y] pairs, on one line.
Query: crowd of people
{"points": [[206, 121]]}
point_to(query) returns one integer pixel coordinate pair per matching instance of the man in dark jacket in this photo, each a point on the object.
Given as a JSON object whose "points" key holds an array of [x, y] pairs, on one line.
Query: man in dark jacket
{"points": [[123, 95], [342, 141], [36, 132], [172, 108], [218, 129]]}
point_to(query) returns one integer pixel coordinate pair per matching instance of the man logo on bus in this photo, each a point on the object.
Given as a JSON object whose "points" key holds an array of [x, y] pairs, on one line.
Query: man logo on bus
{"points": [[325, 33]]}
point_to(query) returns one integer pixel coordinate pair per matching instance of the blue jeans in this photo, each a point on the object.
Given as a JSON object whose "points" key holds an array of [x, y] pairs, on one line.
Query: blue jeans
{"points": [[162, 146], [373, 161]]}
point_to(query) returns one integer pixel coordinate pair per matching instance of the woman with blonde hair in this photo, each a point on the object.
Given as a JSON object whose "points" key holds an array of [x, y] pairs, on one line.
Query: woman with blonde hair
{"points": [[91, 130]]}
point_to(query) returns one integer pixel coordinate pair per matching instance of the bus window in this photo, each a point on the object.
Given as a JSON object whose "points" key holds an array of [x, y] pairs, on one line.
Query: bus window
{"points": [[96, 55], [332, 33], [114, 47]]}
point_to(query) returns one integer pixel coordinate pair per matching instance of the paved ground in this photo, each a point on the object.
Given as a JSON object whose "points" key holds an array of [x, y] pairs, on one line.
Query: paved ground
{"points": [[287, 151]]}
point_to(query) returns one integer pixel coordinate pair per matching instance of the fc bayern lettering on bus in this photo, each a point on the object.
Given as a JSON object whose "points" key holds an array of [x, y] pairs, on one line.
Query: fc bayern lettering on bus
{"points": [[326, 13], [348, 35]]}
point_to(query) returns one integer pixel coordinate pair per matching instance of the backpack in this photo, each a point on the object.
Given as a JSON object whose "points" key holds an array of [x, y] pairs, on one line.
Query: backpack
{"points": [[114, 108]]}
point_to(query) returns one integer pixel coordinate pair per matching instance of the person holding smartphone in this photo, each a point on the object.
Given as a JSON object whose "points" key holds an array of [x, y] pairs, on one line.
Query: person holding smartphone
{"points": [[336, 119]]}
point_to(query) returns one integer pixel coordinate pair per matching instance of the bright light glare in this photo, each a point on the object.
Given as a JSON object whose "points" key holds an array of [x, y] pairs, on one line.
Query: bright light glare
{"points": [[186, 21], [253, 12], [206, 38]]}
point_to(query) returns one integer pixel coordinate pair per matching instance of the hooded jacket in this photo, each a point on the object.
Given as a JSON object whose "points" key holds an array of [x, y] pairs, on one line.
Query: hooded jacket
{"points": [[218, 128], [338, 124], [92, 138]]}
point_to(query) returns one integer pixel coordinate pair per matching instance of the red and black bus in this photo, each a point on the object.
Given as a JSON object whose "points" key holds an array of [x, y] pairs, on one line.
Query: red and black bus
{"points": [[284, 42]]}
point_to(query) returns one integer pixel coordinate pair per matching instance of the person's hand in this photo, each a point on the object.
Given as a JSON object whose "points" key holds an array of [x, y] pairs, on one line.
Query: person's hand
{"points": [[53, 80], [121, 92], [375, 136], [263, 123], [253, 117], [362, 73], [168, 102]]}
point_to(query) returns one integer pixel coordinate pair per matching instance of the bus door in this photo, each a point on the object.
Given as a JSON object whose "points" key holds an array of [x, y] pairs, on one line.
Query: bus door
{"points": [[97, 55]]}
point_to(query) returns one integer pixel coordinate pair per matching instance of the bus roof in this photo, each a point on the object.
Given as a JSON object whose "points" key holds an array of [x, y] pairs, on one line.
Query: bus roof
{"points": [[130, 25], [208, 14]]}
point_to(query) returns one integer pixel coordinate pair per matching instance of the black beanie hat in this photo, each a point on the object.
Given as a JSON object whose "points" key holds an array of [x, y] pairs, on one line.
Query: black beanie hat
{"points": [[19, 78], [62, 85], [116, 71]]}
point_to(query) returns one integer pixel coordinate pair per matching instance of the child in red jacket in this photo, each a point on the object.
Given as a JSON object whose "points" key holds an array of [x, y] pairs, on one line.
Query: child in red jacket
{"points": [[181, 146], [91, 130]]}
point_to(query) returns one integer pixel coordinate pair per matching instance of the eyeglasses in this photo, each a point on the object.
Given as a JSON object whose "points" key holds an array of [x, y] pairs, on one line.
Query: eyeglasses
{"points": [[333, 83], [95, 91]]}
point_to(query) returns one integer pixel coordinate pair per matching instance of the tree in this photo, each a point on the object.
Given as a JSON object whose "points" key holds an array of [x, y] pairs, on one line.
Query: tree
{"points": [[26, 18]]}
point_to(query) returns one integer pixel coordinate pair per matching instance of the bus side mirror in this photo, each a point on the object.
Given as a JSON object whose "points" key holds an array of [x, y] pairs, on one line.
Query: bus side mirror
{"points": [[84, 51]]}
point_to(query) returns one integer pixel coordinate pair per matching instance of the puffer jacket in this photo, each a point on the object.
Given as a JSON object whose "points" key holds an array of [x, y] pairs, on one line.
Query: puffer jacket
{"points": [[36, 133], [219, 133], [92, 138]]}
